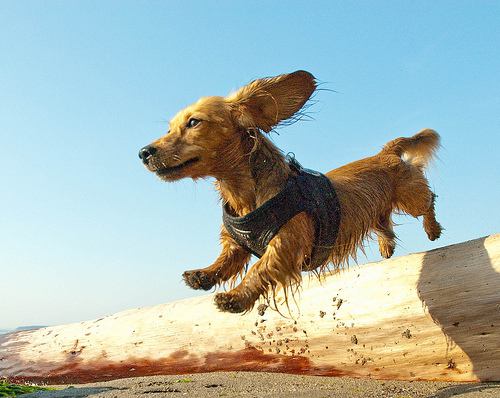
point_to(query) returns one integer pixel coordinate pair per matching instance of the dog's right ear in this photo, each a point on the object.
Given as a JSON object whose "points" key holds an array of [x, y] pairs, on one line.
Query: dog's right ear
{"points": [[264, 103]]}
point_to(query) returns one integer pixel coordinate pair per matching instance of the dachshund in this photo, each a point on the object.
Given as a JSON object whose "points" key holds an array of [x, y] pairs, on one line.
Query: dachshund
{"points": [[226, 138]]}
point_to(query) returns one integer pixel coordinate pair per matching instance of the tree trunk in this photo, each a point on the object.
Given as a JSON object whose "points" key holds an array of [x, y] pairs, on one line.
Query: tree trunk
{"points": [[425, 316]]}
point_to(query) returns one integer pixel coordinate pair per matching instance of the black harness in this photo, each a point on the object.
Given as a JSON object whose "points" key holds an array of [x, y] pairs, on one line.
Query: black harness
{"points": [[308, 191]]}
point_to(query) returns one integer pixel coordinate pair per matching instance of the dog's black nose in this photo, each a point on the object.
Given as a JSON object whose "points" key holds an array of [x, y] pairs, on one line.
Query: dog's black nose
{"points": [[146, 153]]}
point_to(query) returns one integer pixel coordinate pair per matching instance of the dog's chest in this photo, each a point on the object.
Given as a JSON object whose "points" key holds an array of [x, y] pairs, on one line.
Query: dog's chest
{"points": [[310, 192]]}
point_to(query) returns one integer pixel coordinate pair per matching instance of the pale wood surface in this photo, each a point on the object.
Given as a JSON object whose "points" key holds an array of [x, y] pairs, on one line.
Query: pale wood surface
{"points": [[426, 316]]}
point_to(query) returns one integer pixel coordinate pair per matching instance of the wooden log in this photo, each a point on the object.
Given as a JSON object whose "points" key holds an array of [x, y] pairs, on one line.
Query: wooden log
{"points": [[425, 316]]}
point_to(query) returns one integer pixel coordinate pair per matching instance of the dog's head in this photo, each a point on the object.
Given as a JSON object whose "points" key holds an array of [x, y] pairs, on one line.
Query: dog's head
{"points": [[201, 135]]}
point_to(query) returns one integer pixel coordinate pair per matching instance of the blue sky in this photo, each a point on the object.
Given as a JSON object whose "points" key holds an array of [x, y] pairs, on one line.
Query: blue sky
{"points": [[87, 231]]}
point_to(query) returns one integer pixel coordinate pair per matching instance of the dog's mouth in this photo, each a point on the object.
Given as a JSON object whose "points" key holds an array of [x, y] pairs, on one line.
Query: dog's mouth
{"points": [[165, 171]]}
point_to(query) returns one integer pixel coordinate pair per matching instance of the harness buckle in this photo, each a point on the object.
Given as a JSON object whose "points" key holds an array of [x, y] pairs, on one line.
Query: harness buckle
{"points": [[293, 163]]}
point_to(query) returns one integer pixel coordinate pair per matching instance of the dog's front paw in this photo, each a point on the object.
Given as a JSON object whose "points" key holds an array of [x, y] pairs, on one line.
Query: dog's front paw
{"points": [[199, 279], [386, 250], [229, 303]]}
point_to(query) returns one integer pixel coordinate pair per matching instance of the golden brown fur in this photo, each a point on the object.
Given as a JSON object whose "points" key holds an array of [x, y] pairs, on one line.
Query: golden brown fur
{"points": [[224, 138]]}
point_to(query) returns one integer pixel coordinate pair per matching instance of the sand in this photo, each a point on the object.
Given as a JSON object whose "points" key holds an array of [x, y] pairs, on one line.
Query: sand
{"points": [[251, 384]]}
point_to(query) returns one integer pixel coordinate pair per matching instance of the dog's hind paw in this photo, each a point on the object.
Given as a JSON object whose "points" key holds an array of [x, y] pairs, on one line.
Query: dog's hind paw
{"points": [[228, 303], [434, 231], [198, 279]]}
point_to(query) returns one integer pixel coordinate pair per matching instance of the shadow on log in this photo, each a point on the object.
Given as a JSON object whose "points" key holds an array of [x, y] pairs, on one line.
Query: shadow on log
{"points": [[425, 316], [467, 306]]}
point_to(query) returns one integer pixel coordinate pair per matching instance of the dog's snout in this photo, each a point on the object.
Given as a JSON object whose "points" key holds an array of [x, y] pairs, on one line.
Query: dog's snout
{"points": [[146, 153]]}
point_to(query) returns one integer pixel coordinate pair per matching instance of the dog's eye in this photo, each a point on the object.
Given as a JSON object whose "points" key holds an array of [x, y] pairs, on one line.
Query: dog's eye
{"points": [[193, 122]]}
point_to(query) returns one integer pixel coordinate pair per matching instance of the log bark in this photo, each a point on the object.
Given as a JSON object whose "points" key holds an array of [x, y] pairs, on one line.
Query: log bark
{"points": [[425, 316]]}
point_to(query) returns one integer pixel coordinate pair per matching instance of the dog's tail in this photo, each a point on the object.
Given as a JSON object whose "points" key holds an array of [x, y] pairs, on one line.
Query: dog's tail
{"points": [[417, 150]]}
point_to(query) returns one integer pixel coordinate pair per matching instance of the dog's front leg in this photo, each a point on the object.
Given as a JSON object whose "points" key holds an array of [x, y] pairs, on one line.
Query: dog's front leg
{"points": [[230, 263], [279, 267]]}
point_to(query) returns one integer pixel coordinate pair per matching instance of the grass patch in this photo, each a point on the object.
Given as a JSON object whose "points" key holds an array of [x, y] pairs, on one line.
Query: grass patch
{"points": [[185, 380], [11, 390]]}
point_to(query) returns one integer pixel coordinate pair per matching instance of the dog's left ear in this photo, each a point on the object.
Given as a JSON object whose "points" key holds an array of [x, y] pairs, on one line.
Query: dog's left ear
{"points": [[264, 103]]}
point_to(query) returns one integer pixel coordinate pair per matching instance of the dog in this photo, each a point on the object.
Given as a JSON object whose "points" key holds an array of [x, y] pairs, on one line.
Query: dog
{"points": [[225, 138]]}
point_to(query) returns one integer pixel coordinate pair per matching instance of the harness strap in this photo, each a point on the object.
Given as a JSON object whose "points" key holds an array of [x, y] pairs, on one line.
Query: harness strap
{"points": [[308, 191]]}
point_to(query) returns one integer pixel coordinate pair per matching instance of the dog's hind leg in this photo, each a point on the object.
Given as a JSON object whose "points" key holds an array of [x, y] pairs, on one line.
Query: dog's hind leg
{"points": [[415, 198], [431, 226], [230, 263], [386, 236]]}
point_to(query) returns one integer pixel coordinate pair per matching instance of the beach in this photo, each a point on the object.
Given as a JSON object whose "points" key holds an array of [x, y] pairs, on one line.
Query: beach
{"points": [[262, 384]]}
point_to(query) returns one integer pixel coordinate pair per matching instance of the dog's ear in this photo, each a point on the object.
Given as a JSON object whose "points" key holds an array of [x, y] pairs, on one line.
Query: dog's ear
{"points": [[264, 103]]}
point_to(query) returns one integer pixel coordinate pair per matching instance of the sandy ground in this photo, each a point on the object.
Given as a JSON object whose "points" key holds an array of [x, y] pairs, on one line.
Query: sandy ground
{"points": [[250, 384]]}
